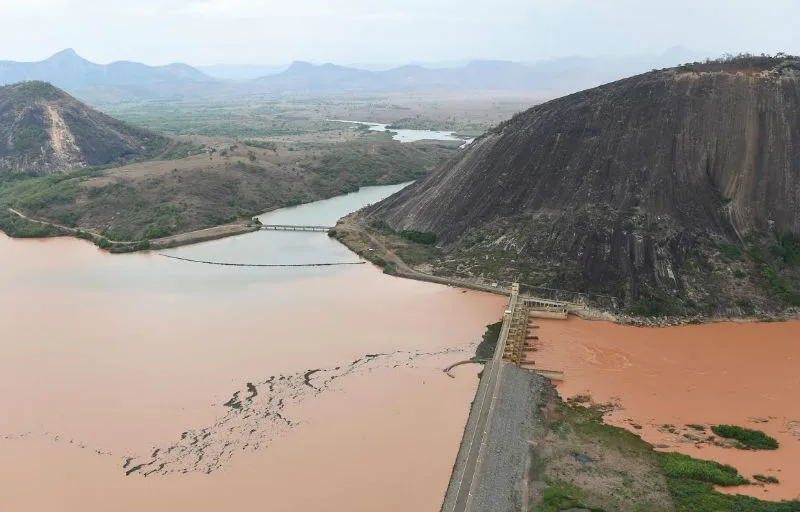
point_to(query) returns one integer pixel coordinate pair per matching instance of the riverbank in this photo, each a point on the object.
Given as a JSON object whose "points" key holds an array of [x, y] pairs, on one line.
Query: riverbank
{"points": [[47, 229], [386, 249]]}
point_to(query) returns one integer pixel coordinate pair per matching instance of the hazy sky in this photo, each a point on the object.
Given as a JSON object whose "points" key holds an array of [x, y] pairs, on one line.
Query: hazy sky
{"points": [[202, 32]]}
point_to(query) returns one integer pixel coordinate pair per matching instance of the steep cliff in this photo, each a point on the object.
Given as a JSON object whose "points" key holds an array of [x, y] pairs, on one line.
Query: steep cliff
{"points": [[44, 130], [659, 189]]}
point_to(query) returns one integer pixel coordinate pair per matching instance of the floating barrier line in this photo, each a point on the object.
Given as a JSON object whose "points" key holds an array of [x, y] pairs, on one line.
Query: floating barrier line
{"points": [[264, 265]]}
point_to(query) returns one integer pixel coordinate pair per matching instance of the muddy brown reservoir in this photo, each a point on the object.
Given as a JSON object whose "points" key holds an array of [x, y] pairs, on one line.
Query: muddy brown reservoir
{"points": [[109, 363]]}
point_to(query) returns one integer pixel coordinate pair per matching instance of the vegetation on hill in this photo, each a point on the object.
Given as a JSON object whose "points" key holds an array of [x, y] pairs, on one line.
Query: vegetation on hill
{"points": [[161, 198], [744, 62], [419, 237]]}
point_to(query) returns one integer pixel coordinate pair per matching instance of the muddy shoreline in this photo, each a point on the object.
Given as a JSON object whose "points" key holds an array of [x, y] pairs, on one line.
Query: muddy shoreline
{"points": [[352, 234]]}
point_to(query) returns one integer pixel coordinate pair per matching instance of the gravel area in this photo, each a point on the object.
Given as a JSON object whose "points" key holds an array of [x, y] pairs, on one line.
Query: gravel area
{"points": [[515, 420]]}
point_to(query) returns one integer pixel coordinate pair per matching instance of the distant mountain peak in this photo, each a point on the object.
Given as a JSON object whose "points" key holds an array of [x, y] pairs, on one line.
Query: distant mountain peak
{"points": [[66, 53], [300, 65], [67, 69]]}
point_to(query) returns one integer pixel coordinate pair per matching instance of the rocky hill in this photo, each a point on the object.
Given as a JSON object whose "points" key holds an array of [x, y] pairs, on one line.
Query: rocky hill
{"points": [[45, 130], [676, 191]]}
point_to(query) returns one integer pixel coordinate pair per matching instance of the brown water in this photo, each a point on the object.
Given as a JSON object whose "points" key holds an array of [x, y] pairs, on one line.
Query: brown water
{"points": [[729, 373], [106, 359]]}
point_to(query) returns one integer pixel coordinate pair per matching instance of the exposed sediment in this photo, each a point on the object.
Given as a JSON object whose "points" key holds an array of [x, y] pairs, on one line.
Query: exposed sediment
{"points": [[256, 415]]}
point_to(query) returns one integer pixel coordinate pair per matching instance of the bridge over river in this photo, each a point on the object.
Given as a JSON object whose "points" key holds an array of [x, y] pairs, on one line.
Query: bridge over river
{"points": [[294, 227]]}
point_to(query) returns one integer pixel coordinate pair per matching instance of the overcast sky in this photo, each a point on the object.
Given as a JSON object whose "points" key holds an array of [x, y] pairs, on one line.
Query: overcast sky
{"points": [[202, 32]]}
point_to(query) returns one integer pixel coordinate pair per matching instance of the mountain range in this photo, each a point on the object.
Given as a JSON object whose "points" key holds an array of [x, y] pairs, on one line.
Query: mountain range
{"points": [[131, 81], [67, 69], [566, 74]]}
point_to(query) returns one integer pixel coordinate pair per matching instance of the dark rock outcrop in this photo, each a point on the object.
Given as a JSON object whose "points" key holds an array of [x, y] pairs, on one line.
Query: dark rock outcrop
{"points": [[44, 130], [638, 188]]}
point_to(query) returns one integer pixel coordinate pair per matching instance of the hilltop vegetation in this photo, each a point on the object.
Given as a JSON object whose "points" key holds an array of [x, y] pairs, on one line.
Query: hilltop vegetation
{"points": [[230, 181], [744, 62]]}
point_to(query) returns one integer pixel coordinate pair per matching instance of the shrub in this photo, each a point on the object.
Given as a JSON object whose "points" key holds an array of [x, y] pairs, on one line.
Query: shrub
{"points": [[156, 232], [420, 237], [766, 479], [678, 465], [263, 144], [561, 495], [749, 439], [746, 306], [787, 247], [730, 252]]}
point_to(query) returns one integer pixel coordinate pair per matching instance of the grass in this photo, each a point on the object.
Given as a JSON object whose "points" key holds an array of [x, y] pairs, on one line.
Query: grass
{"points": [[689, 482], [766, 479], [560, 495], [691, 495], [415, 254], [678, 465], [747, 438]]}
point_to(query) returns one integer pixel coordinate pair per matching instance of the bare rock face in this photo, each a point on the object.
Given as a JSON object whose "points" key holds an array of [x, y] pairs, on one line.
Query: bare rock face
{"points": [[45, 130], [632, 188]]}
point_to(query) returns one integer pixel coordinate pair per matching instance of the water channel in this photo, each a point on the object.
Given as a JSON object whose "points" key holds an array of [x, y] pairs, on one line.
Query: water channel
{"points": [[406, 135]]}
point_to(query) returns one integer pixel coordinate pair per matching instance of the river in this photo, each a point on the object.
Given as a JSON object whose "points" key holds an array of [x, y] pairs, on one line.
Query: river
{"points": [[115, 364], [404, 135], [743, 374]]}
